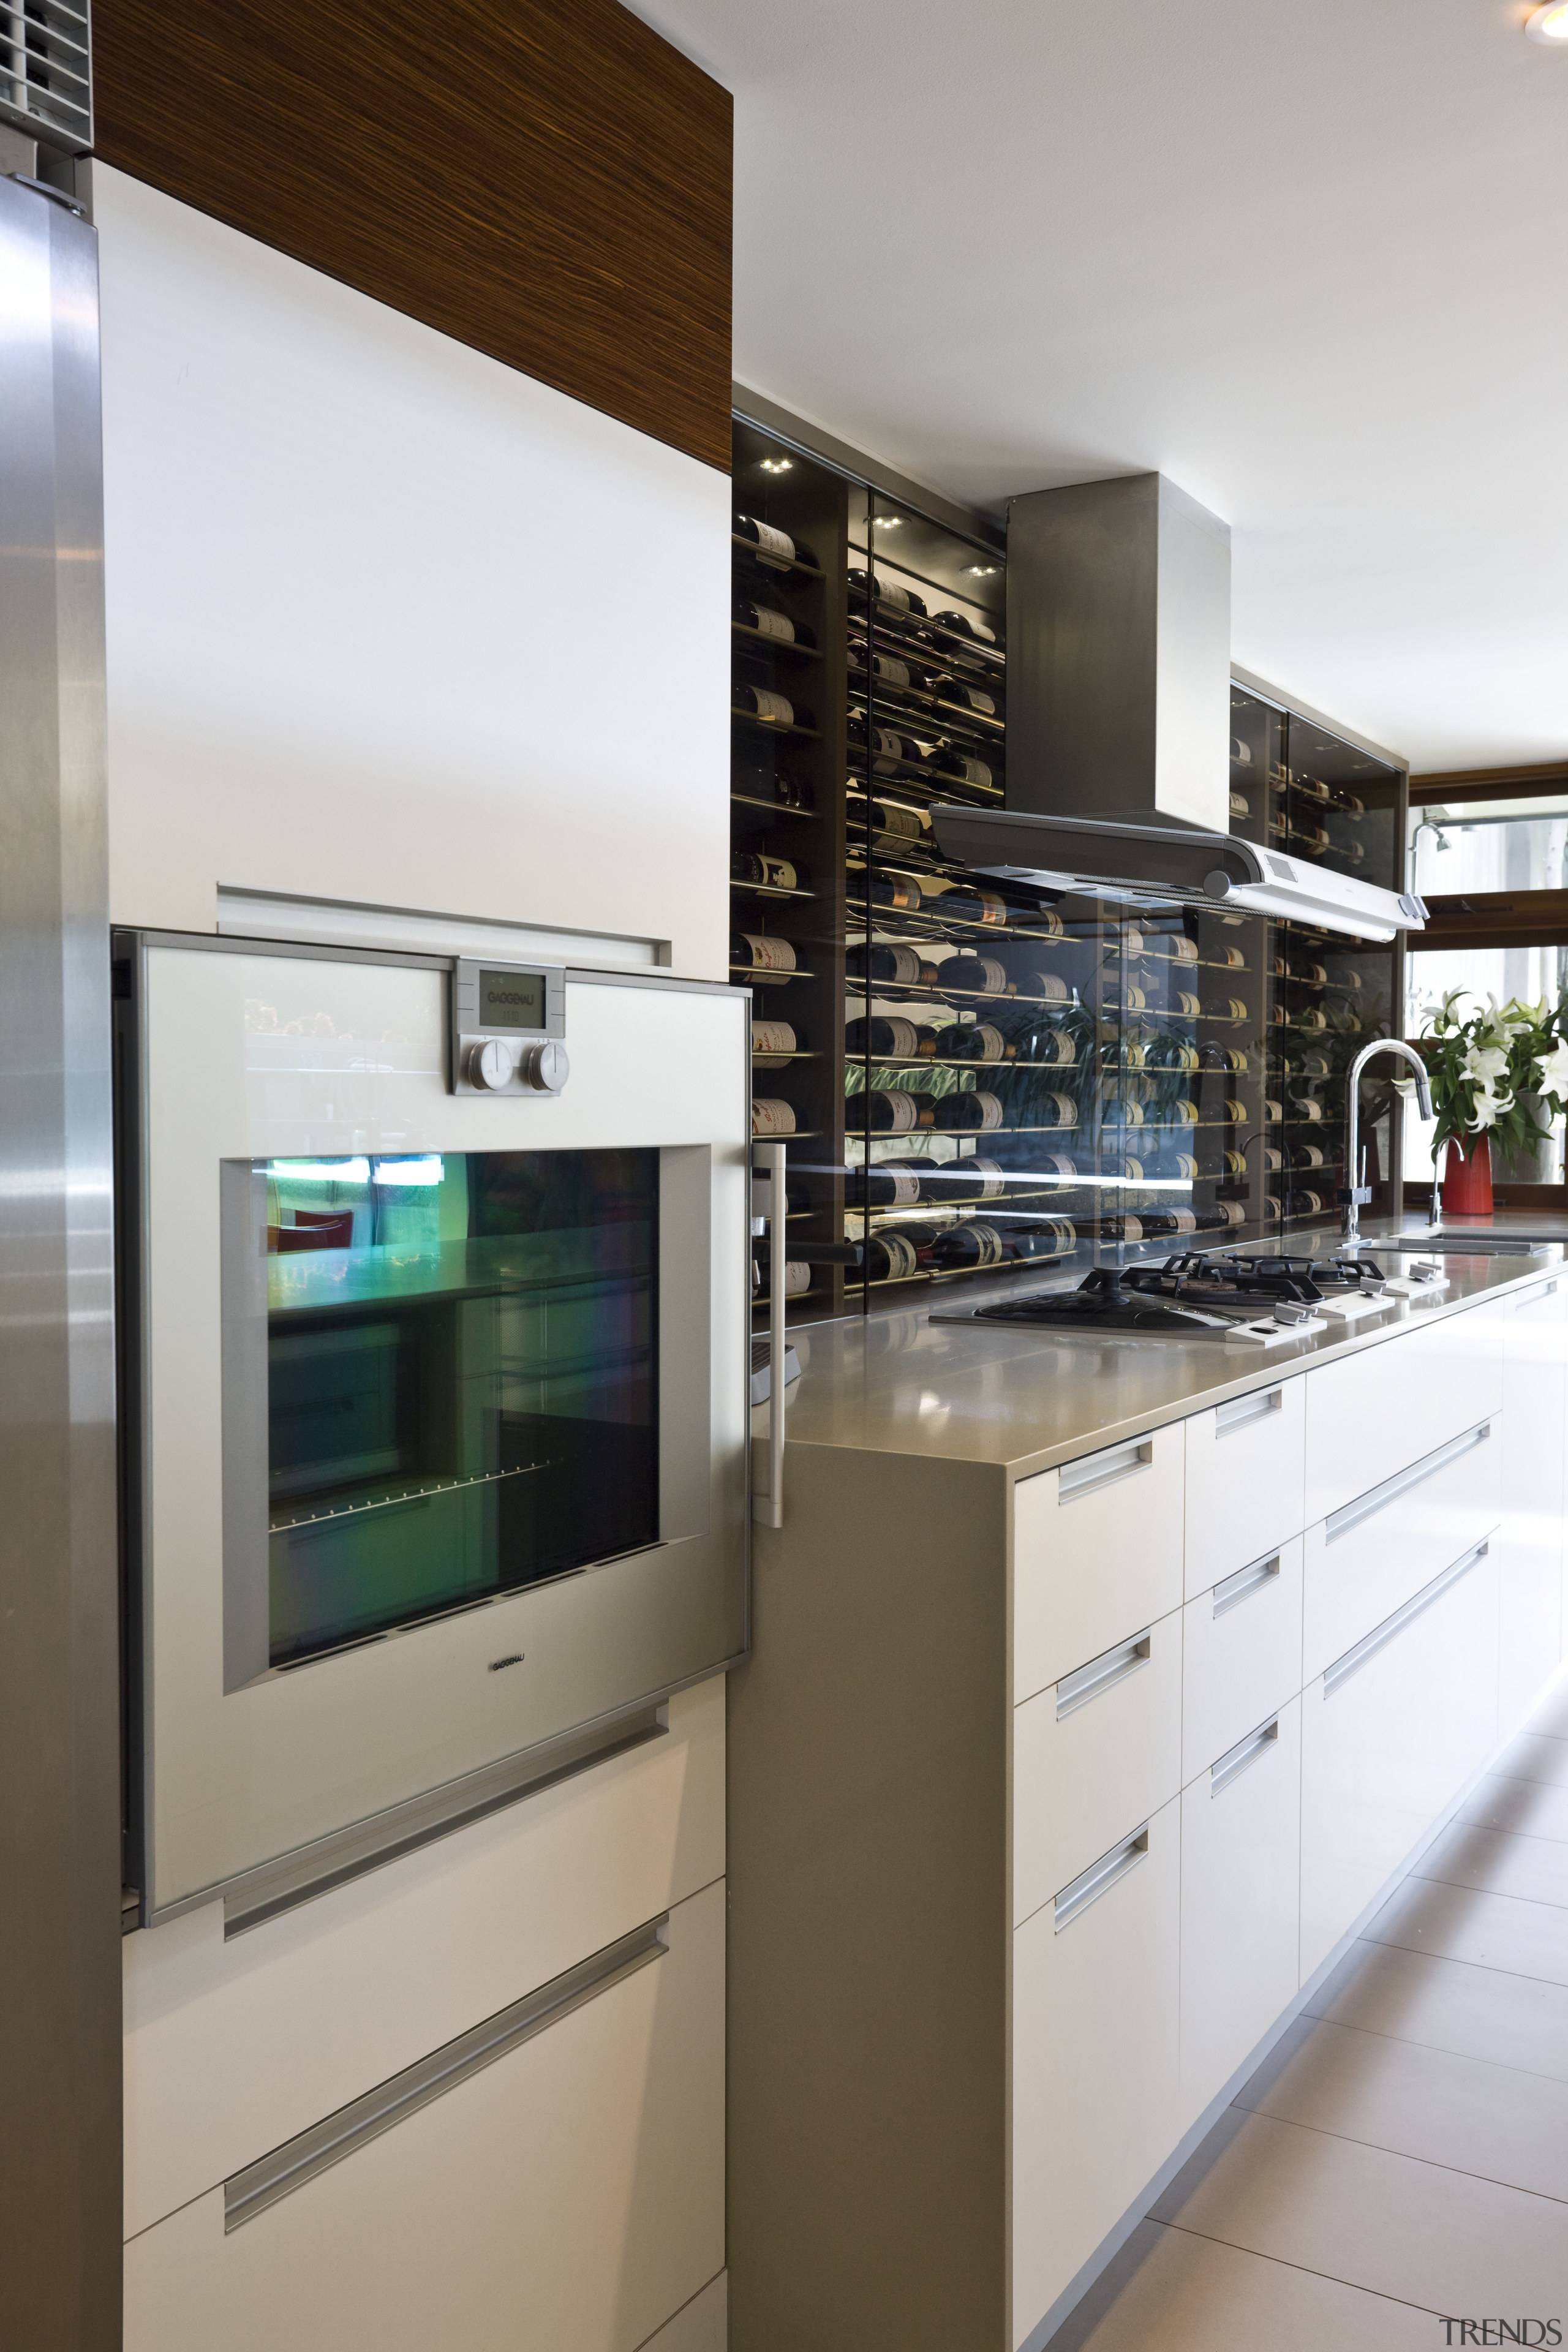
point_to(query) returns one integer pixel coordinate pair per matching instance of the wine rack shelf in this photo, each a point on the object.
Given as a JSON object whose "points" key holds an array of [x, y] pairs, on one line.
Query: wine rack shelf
{"points": [[1180, 1074]]}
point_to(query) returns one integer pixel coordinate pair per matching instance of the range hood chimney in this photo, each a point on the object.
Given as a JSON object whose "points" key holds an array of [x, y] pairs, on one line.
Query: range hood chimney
{"points": [[1119, 719]]}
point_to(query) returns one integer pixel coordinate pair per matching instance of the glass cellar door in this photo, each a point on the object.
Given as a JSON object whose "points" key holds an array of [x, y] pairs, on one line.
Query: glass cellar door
{"points": [[457, 1356]]}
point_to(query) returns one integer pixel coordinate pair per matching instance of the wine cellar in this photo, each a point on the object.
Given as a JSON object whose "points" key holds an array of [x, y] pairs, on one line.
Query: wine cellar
{"points": [[970, 1078]]}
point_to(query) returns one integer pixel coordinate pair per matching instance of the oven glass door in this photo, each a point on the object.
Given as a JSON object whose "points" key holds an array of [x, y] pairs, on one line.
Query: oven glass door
{"points": [[446, 1366]]}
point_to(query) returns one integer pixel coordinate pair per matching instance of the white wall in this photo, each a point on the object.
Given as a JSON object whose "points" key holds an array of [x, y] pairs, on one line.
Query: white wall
{"points": [[388, 621]]}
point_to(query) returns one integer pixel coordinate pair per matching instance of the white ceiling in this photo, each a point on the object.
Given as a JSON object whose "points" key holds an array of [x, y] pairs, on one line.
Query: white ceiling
{"points": [[1308, 257]]}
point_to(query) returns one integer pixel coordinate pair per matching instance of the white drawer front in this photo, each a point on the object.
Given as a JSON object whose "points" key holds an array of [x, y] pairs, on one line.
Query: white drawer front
{"points": [[567, 2197], [1095, 1754], [1386, 1746], [1241, 1852], [1246, 1468], [1241, 1654], [1097, 1549], [1374, 1413], [1364, 1564], [1094, 2110], [231, 2048]]}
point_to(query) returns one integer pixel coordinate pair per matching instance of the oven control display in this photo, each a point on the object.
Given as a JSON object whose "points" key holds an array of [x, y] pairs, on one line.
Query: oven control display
{"points": [[509, 1029], [512, 1000]]}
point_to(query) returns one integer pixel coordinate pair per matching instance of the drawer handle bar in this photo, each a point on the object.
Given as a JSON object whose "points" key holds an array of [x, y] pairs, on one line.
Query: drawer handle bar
{"points": [[311, 2152], [1245, 1581], [1102, 1673], [1244, 1411], [1340, 1522], [1391, 1627], [1097, 1470], [1101, 1877], [1234, 1762]]}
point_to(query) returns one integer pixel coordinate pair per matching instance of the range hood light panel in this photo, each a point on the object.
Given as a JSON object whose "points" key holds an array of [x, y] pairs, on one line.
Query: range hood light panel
{"points": [[1155, 865]]}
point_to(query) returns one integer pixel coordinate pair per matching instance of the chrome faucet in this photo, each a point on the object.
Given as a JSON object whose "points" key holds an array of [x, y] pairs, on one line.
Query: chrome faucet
{"points": [[1358, 1190]]}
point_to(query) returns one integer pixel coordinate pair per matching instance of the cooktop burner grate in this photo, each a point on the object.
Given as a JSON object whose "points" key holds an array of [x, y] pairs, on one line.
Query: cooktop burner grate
{"points": [[1192, 1295]]}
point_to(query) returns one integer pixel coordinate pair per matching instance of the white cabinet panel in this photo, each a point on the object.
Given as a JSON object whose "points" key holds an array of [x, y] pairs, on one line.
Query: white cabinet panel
{"points": [[1373, 1414], [1094, 2103], [1388, 1747], [1240, 1906], [1241, 1654], [569, 2197], [231, 2048], [1097, 1548], [1110, 1757], [1535, 1405], [1246, 1467], [1392, 1542]]}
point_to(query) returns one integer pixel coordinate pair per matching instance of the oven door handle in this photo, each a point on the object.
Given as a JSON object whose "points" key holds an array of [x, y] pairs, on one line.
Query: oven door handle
{"points": [[768, 1160]]}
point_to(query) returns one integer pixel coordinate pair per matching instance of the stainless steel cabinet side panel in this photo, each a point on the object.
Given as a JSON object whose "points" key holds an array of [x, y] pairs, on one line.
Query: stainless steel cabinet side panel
{"points": [[59, 1824], [869, 1942]]}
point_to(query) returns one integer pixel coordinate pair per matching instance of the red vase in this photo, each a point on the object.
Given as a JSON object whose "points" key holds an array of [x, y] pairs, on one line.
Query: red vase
{"points": [[1468, 1178]]}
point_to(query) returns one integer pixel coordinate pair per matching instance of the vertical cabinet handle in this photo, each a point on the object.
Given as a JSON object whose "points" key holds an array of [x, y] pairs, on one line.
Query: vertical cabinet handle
{"points": [[768, 1160]]}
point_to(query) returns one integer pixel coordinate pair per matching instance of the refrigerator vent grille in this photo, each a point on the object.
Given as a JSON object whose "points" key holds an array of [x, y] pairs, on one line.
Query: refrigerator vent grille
{"points": [[46, 71]]}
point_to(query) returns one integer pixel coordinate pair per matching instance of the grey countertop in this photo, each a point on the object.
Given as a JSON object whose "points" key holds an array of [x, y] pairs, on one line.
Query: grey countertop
{"points": [[897, 1383]]}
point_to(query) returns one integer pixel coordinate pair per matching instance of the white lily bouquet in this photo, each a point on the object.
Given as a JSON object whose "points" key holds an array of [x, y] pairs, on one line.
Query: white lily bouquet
{"points": [[1482, 1069]]}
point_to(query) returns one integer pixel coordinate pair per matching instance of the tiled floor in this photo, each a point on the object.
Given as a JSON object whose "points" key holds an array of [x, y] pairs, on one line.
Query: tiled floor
{"points": [[1403, 2156]]}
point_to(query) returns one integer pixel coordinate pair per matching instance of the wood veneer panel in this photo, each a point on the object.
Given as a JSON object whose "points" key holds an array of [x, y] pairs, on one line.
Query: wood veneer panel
{"points": [[1461, 784], [550, 183]]}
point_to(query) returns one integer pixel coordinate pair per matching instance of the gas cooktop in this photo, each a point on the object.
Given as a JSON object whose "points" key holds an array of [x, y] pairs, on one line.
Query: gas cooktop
{"points": [[1200, 1295]]}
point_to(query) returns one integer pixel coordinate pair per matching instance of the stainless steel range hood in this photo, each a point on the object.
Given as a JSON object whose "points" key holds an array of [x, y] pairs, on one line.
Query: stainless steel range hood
{"points": [[1119, 719]]}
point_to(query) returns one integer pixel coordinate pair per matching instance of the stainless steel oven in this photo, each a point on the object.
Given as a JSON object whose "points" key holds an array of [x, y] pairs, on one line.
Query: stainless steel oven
{"points": [[437, 1389]]}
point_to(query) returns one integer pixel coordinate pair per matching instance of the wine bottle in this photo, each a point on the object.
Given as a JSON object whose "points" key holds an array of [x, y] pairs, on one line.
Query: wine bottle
{"points": [[889, 595], [970, 1244], [1306, 1106], [903, 967], [767, 872], [966, 697], [973, 1041], [968, 1110], [1313, 1066], [771, 548], [1049, 987], [772, 708], [1273, 1110], [884, 1185], [1240, 751], [899, 823], [769, 622], [1049, 1237], [960, 768], [973, 975], [773, 1042], [901, 892], [1307, 1155], [892, 1110], [1309, 975], [891, 1040], [797, 1278], [987, 908], [1234, 1163], [1187, 1004], [771, 1116], [959, 625], [763, 954], [1240, 805], [1235, 1007], [1056, 1048], [754, 783], [1232, 959], [890, 1256], [1234, 1112], [885, 744]]}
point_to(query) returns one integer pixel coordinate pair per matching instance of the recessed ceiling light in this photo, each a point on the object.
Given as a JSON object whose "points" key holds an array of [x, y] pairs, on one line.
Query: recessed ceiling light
{"points": [[777, 464], [1548, 26], [893, 522], [982, 570]]}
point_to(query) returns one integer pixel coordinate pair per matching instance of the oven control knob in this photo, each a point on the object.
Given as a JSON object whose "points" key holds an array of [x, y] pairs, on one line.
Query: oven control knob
{"points": [[546, 1067], [489, 1064]]}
